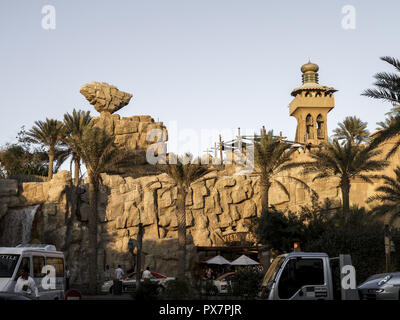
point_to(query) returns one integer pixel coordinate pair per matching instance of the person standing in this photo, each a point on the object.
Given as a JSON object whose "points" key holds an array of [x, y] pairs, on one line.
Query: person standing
{"points": [[26, 284], [146, 275], [119, 273]]}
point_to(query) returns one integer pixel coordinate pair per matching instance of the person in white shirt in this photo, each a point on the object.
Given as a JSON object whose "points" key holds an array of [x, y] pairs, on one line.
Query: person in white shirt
{"points": [[146, 275], [26, 284], [119, 273]]}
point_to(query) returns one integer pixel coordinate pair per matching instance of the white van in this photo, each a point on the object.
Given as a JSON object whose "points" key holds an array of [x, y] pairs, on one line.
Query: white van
{"points": [[35, 257]]}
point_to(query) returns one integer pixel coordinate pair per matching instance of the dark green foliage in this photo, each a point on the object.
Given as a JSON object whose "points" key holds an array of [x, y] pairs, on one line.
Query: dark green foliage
{"points": [[387, 85], [361, 236], [387, 89], [279, 231], [246, 282], [177, 290], [388, 196], [24, 159], [147, 291], [15, 160], [327, 229]]}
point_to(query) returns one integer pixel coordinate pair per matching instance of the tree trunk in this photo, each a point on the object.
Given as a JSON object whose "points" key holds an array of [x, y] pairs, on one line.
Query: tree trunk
{"points": [[181, 219], [139, 255], [93, 188], [264, 189], [76, 171], [51, 160], [345, 187]]}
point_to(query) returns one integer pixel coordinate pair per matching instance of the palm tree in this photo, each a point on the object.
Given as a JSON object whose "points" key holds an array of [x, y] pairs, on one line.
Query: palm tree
{"points": [[389, 196], [98, 152], [75, 124], [345, 162], [49, 134], [389, 121], [352, 129], [184, 172], [388, 84], [270, 157], [387, 89]]}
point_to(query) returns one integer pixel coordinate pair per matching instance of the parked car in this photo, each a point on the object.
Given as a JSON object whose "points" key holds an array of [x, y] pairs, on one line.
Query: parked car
{"points": [[383, 286], [222, 284], [129, 282]]}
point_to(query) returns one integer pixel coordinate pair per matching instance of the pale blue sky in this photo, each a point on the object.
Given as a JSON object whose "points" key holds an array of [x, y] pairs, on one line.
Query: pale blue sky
{"points": [[207, 64]]}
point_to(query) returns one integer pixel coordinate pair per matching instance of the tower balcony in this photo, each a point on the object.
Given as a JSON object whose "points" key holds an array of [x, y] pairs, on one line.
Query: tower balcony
{"points": [[301, 101]]}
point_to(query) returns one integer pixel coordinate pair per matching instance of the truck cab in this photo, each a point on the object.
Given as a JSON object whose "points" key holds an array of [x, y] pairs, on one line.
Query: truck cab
{"points": [[305, 276], [34, 258]]}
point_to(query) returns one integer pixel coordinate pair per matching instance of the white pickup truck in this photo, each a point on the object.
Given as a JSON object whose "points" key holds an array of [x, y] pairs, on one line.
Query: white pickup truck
{"points": [[310, 276]]}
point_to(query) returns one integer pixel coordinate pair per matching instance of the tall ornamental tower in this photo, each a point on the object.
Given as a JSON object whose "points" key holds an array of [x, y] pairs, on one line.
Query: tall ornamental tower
{"points": [[310, 106]]}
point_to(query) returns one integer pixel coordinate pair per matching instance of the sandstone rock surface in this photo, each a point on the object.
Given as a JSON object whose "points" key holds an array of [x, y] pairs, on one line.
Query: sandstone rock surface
{"points": [[105, 97]]}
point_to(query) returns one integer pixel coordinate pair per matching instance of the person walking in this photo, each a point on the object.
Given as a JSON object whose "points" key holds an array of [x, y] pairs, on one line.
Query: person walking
{"points": [[25, 283]]}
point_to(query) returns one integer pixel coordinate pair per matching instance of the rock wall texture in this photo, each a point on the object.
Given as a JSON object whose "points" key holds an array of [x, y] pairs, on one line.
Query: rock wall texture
{"points": [[133, 133], [217, 205], [53, 196]]}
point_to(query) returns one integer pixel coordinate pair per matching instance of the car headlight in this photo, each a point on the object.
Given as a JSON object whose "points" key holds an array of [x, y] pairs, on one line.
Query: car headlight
{"points": [[384, 280]]}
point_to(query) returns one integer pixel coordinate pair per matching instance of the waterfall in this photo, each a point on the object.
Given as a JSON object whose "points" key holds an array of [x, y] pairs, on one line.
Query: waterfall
{"points": [[17, 226]]}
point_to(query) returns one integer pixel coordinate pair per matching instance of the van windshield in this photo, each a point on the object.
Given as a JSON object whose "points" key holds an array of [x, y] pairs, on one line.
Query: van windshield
{"points": [[272, 270], [7, 264]]}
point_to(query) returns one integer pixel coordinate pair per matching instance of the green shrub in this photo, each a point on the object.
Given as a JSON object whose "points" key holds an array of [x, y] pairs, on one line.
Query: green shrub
{"points": [[147, 291], [246, 282], [321, 228], [179, 290]]}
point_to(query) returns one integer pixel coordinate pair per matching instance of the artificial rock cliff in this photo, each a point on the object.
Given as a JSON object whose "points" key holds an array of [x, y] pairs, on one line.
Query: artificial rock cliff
{"points": [[219, 204]]}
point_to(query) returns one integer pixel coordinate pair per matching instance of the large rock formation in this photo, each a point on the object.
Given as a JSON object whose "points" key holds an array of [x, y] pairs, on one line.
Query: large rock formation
{"points": [[104, 97], [133, 134]]}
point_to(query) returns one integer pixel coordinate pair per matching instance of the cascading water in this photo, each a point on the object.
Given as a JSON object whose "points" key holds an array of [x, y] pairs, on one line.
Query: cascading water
{"points": [[17, 226]]}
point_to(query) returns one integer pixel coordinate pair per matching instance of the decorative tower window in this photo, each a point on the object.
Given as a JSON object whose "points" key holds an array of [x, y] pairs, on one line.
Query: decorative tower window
{"points": [[320, 127], [309, 127]]}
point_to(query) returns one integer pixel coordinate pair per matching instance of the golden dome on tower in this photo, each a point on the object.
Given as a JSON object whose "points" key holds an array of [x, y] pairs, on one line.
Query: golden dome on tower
{"points": [[309, 67]]}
